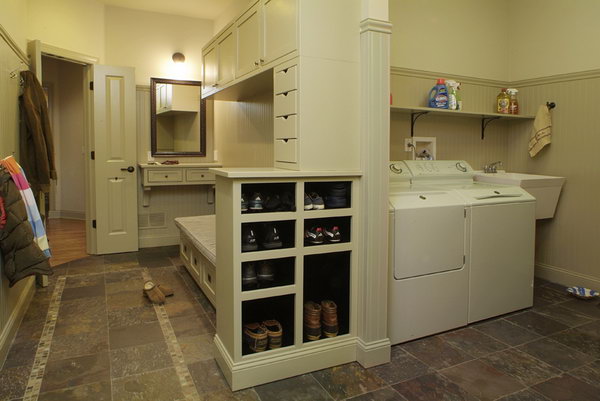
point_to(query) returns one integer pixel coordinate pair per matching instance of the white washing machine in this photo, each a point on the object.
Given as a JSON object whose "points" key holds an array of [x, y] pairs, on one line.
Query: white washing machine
{"points": [[460, 251]]}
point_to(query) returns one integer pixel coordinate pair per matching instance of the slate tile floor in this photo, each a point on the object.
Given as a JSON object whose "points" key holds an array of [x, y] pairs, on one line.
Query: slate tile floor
{"points": [[108, 345]]}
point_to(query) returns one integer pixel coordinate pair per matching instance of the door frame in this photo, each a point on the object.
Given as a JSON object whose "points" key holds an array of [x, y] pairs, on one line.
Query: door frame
{"points": [[36, 49]]}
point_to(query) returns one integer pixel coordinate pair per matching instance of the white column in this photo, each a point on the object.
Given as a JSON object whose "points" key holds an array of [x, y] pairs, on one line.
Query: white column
{"points": [[373, 347]]}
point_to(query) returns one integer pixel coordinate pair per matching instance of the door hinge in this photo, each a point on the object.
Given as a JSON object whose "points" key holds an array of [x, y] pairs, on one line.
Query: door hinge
{"points": [[91, 85], [93, 223], [93, 155]]}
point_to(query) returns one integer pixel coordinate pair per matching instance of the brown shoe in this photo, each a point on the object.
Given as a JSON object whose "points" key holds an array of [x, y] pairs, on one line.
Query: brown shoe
{"points": [[167, 291], [153, 293], [275, 333], [256, 337], [312, 321], [329, 318]]}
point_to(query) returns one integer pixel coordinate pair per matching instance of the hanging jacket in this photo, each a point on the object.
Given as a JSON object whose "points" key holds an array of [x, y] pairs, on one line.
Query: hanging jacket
{"points": [[21, 255], [37, 148]]}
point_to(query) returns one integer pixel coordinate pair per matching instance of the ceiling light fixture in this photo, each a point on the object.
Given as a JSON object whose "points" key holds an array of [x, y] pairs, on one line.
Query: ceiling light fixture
{"points": [[178, 58]]}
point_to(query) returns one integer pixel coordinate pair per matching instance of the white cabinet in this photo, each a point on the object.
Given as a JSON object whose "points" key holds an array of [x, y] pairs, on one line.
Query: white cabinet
{"points": [[279, 29], [226, 57], [209, 67], [248, 30]]}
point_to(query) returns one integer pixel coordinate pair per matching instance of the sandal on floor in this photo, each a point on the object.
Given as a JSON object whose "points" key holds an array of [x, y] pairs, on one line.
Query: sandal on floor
{"points": [[275, 333], [256, 337], [154, 293]]}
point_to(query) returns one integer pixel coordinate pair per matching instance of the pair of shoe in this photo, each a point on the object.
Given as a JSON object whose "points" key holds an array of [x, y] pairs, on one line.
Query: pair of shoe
{"points": [[320, 319], [156, 293], [268, 234], [317, 235], [336, 196], [259, 336], [268, 203], [313, 201], [253, 203], [252, 277]]}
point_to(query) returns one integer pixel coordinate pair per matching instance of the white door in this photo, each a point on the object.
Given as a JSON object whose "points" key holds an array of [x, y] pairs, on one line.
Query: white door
{"points": [[113, 170]]}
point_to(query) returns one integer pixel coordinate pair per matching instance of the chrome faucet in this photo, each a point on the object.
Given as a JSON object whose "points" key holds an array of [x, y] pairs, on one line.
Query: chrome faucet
{"points": [[492, 167]]}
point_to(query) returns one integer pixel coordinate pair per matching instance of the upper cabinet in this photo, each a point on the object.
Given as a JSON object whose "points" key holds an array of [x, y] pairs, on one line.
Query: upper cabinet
{"points": [[248, 41], [279, 29], [226, 57], [209, 67]]}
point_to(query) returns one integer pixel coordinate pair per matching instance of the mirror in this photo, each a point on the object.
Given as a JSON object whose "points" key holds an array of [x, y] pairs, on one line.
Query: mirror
{"points": [[178, 118]]}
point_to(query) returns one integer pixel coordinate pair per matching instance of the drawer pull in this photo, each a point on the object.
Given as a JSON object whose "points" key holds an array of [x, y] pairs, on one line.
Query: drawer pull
{"points": [[209, 278], [166, 176]]}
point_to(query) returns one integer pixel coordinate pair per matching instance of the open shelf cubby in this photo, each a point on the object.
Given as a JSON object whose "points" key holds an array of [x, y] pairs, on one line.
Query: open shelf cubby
{"points": [[276, 197], [340, 189], [327, 277], [343, 224], [283, 270], [280, 308], [284, 228]]}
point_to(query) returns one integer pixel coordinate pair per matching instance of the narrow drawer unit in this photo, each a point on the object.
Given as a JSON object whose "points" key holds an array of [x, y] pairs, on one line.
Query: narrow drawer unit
{"points": [[285, 80], [165, 176], [286, 127], [285, 150], [285, 103], [198, 175]]}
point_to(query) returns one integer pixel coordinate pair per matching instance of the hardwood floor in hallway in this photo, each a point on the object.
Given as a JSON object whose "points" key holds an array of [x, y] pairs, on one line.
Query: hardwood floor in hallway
{"points": [[67, 240]]}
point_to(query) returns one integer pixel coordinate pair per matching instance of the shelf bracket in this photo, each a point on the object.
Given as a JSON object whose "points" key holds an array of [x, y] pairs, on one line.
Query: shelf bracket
{"points": [[484, 123], [414, 116]]}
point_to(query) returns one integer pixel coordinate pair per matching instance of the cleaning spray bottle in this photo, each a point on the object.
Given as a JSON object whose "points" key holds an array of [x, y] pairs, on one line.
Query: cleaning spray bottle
{"points": [[452, 94], [438, 95]]}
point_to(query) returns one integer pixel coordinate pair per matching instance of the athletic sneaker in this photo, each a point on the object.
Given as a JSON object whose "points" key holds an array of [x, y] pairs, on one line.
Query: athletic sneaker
{"points": [[272, 203], [287, 201], [317, 201], [270, 237], [249, 243], [314, 235], [266, 273], [332, 234], [307, 202], [249, 277], [244, 203], [255, 202]]}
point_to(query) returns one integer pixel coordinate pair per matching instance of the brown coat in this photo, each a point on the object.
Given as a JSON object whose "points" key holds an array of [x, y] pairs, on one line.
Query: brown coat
{"points": [[37, 148], [21, 255]]}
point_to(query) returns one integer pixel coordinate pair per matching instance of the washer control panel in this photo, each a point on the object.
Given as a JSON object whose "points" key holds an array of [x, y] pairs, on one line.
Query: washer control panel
{"points": [[439, 168]]}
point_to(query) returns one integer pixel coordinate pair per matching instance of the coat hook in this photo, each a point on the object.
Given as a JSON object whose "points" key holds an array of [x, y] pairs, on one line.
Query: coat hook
{"points": [[550, 105]]}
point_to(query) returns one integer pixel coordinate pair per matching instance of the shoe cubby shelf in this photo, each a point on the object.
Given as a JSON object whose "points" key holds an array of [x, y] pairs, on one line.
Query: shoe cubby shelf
{"points": [[300, 278]]}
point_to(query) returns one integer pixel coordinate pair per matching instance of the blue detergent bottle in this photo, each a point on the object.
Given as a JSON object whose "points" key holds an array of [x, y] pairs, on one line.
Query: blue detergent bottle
{"points": [[438, 95]]}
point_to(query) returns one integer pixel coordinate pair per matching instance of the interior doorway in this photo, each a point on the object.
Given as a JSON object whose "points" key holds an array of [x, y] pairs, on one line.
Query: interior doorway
{"points": [[63, 82]]}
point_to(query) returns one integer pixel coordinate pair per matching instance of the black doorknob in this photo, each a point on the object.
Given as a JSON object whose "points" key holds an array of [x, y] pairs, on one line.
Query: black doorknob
{"points": [[129, 169]]}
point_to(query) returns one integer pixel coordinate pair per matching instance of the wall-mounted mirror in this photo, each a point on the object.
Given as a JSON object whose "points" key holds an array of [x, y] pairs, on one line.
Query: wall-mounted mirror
{"points": [[178, 118]]}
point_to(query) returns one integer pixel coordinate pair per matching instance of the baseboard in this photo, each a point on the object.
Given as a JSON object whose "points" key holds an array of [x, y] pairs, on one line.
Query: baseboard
{"points": [[373, 353], [66, 214], [151, 242], [12, 324], [565, 277]]}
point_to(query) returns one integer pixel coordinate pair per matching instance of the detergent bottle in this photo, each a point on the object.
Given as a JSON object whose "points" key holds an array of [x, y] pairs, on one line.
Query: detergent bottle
{"points": [[438, 95]]}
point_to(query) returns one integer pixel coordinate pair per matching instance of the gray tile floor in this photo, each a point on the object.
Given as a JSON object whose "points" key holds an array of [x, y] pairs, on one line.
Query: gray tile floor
{"points": [[108, 345]]}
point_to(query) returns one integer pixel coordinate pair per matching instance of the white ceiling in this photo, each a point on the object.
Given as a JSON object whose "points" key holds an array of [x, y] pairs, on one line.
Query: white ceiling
{"points": [[207, 9]]}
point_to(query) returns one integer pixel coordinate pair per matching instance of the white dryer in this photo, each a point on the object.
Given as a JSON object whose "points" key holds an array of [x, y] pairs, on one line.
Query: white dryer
{"points": [[429, 282]]}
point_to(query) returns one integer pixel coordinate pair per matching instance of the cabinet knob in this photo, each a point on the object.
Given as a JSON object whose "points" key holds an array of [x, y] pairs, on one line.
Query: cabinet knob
{"points": [[262, 60], [166, 176], [256, 63]]}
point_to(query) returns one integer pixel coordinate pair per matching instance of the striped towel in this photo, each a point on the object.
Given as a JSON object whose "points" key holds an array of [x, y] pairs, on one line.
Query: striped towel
{"points": [[33, 213]]}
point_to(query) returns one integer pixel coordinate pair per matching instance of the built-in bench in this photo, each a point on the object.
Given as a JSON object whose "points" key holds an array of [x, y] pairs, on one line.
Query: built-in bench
{"points": [[197, 248]]}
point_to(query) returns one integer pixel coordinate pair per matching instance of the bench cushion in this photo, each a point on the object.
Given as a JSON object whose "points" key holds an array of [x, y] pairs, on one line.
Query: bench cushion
{"points": [[201, 231]]}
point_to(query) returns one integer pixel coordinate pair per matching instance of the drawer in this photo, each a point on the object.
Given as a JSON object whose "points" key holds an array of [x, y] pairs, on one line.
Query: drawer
{"points": [[198, 175], [165, 176], [286, 127], [285, 103], [209, 279], [285, 150], [285, 80], [185, 251]]}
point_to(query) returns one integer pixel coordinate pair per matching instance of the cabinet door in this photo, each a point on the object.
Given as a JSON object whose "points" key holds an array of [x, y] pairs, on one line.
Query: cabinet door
{"points": [[280, 28], [209, 60], [226, 55], [248, 41]]}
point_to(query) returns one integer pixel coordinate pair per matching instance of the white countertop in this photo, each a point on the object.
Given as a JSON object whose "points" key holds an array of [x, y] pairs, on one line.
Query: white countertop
{"points": [[180, 165], [271, 172]]}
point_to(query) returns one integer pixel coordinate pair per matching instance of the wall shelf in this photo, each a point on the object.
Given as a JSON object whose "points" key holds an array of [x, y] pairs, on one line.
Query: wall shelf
{"points": [[486, 118]]}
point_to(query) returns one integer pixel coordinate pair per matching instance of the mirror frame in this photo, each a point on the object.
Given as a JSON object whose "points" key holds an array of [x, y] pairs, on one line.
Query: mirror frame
{"points": [[202, 151]]}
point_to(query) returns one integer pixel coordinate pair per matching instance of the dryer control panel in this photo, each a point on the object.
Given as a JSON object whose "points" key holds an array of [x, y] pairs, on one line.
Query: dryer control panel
{"points": [[440, 169]]}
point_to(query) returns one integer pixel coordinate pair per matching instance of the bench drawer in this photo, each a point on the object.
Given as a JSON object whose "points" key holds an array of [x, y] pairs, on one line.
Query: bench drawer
{"points": [[198, 175], [285, 103], [285, 80], [165, 176]]}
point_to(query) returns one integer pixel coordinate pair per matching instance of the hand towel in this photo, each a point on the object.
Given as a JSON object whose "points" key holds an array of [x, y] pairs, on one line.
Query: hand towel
{"points": [[542, 130]]}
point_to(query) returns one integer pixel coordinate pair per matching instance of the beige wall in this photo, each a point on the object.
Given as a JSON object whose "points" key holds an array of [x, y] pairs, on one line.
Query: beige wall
{"points": [[550, 37], [459, 37], [147, 41], [76, 25], [13, 18]]}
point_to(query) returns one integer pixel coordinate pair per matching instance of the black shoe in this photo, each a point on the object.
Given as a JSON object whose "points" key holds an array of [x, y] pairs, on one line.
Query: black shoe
{"points": [[332, 234], [287, 202], [314, 236], [272, 203], [266, 274], [255, 203], [244, 203], [270, 237], [336, 196], [249, 277], [249, 243]]}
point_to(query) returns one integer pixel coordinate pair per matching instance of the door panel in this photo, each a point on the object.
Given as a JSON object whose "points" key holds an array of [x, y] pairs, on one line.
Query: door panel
{"points": [[280, 31], [114, 141], [248, 42]]}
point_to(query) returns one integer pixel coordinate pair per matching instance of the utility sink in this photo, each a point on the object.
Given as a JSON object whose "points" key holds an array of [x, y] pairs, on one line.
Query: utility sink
{"points": [[546, 189]]}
